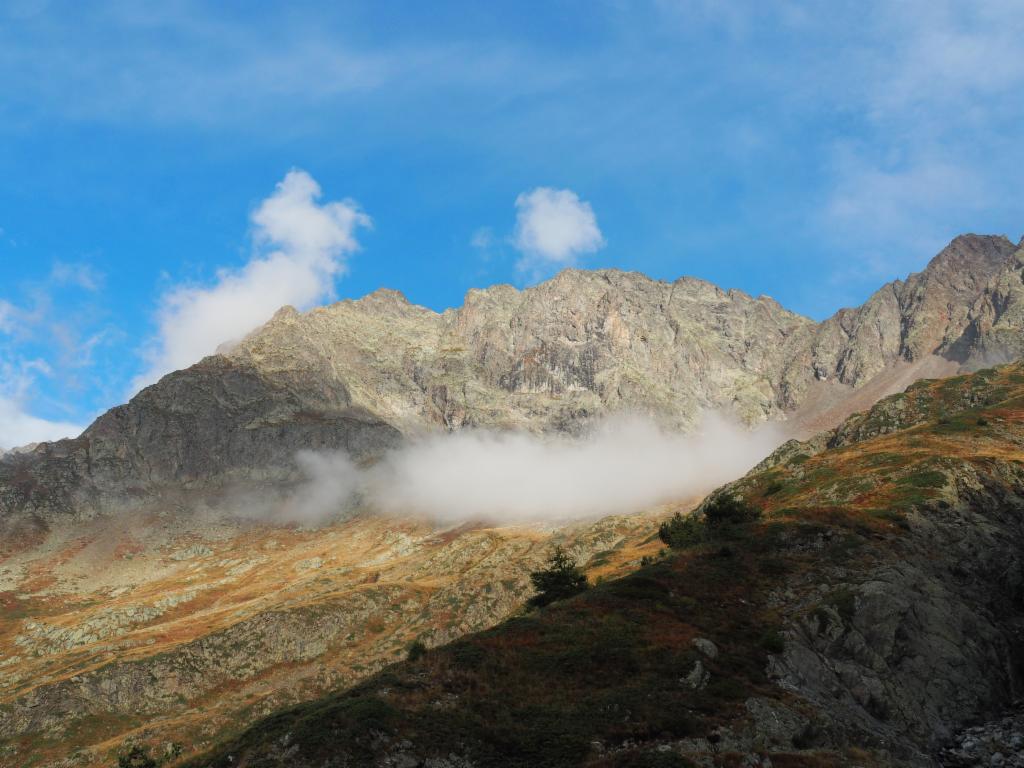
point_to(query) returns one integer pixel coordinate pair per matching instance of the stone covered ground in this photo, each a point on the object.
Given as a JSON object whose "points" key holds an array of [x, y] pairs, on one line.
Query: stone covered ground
{"points": [[998, 742]]}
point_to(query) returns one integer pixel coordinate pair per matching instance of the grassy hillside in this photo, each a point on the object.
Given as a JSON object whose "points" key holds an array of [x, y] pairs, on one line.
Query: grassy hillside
{"points": [[857, 600], [129, 628]]}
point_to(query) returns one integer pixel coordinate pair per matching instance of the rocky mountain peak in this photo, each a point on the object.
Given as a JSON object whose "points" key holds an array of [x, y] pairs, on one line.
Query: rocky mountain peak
{"points": [[358, 374], [974, 255], [387, 299], [963, 267]]}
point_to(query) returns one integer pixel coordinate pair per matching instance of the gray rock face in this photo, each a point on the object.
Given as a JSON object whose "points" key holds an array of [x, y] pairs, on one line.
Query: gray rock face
{"points": [[910, 643], [217, 423], [358, 375], [928, 313], [993, 332], [899, 641], [550, 357]]}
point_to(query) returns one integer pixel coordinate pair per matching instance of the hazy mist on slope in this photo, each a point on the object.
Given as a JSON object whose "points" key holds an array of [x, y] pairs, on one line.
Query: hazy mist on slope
{"points": [[624, 465]]}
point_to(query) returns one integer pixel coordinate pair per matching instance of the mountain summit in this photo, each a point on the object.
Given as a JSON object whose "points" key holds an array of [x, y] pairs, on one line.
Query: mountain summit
{"points": [[358, 375]]}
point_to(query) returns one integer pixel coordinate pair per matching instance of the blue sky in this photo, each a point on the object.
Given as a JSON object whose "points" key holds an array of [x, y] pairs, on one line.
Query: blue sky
{"points": [[807, 150]]}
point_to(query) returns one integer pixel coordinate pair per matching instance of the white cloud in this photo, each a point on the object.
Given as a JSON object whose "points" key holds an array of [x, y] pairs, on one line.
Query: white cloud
{"points": [[554, 227], [17, 426], [179, 63], [302, 247], [625, 465], [19, 322]]}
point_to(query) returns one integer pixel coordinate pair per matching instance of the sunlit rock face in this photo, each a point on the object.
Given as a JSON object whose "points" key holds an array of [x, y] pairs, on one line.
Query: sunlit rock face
{"points": [[358, 375]]}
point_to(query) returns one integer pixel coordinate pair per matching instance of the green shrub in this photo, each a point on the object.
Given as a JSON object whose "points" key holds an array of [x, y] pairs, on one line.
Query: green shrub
{"points": [[726, 689], [136, 757], [892, 516], [680, 532], [728, 511], [417, 651], [639, 586], [926, 479], [561, 579], [687, 603], [773, 641], [844, 601], [467, 655]]}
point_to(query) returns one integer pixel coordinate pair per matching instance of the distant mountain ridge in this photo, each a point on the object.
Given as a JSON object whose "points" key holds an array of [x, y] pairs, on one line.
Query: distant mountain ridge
{"points": [[358, 375]]}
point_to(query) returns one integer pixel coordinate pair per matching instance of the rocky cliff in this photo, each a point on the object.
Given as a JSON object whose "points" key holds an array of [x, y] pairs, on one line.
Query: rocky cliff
{"points": [[358, 374]]}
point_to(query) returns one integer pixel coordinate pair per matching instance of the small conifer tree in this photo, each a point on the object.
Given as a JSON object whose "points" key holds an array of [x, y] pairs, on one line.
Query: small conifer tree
{"points": [[561, 578]]}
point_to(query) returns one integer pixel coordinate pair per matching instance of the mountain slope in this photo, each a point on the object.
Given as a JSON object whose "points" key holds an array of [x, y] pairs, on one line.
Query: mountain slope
{"points": [[874, 605], [174, 629]]}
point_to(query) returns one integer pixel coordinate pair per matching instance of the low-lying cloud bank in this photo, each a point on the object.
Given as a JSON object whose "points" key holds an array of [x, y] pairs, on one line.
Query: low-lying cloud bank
{"points": [[624, 465]]}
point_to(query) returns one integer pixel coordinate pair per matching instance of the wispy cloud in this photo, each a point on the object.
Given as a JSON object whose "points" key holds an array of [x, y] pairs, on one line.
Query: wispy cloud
{"points": [[7, 316], [190, 64], [174, 63], [932, 90], [301, 248], [18, 427], [901, 205], [950, 55], [21, 376], [83, 275], [483, 239], [53, 334]]}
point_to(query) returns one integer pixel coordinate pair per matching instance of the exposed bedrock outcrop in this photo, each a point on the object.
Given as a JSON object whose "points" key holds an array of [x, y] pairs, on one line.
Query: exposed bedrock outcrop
{"points": [[900, 652], [357, 375]]}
